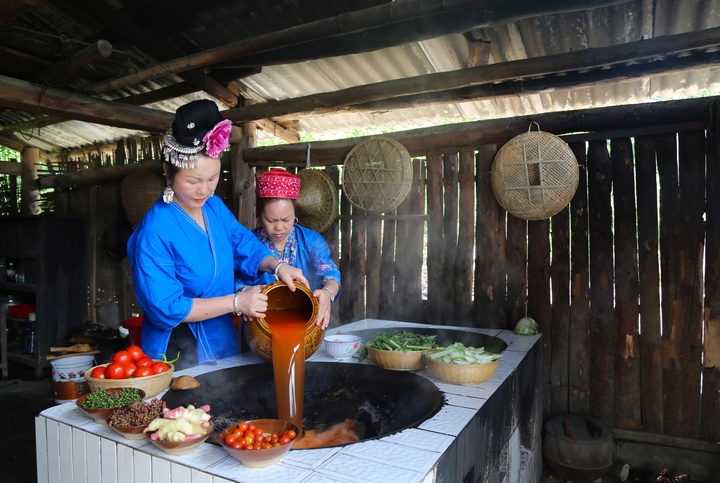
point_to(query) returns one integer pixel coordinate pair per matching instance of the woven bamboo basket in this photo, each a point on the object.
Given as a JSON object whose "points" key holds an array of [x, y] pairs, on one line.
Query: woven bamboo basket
{"points": [[459, 374], [377, 175], [152, 385], [138, 192], [397, 360], [317, 205], [534, 175]]}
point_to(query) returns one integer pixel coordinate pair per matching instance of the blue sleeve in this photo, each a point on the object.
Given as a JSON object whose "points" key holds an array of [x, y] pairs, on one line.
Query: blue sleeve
{"points": [[248, 252], [318, 255], [159, 292]]}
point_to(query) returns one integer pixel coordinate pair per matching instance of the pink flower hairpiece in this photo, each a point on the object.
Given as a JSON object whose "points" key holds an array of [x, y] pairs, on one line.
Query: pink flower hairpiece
{"points": [[218, 138]]}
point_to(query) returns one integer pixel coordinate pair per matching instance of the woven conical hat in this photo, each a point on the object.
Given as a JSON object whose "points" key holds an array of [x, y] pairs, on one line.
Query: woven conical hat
{"points": [[317, 205]]}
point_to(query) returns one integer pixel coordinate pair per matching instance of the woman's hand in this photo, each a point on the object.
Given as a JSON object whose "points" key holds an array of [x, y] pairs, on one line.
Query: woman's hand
{"points": [[324, 306], [290, 275], [251, 303]]}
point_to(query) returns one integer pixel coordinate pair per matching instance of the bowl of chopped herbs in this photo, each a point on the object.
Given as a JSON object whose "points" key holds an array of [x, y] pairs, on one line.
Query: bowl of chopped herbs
{"points": [[399, 350], [131, 421], [100, 404]]}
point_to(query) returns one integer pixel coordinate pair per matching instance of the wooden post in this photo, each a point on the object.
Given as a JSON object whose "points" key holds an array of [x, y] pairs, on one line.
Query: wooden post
{"points": [[243, 177], [29, 194]]}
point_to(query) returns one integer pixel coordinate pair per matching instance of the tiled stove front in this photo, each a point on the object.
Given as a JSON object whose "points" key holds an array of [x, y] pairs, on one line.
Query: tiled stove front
{"points": [[486, 432]]}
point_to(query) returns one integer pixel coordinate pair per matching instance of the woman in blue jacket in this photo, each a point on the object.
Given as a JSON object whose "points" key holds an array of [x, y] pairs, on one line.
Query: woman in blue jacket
{"points": [[186, 249], [290, 243]]}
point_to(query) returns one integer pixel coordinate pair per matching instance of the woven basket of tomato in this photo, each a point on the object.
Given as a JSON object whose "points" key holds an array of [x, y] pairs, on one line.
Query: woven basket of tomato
{"points": [[132, 368]]}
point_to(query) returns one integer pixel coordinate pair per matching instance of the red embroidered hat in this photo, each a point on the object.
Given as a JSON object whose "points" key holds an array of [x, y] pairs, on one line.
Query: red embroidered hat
{"points": [[278, 183]]}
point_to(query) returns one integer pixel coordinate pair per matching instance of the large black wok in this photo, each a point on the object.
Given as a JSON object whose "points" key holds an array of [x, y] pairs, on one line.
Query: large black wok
{"points": [[380, 401]]}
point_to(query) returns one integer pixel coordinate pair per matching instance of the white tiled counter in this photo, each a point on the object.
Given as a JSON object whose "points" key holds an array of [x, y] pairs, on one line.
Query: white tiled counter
{"points": [[484, 432]]}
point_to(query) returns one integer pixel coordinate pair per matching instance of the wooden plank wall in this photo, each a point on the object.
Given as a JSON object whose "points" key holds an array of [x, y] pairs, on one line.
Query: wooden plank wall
{"points": [[615, 280]]}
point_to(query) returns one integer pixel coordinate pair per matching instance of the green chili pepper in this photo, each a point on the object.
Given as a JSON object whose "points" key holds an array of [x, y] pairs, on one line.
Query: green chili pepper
{"points": [[164, 359]]}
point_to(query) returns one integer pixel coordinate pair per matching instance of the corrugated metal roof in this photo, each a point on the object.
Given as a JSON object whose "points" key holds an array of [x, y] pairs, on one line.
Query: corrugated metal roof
{"points": [[225, 22]]}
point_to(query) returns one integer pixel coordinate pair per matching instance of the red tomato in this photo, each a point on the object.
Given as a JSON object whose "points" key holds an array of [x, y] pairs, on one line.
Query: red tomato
{"points": [[98, 372], [144, 362], [122, 357], [135, 352], [143, 372], [115, 371], [130, 369], [159, 367]]}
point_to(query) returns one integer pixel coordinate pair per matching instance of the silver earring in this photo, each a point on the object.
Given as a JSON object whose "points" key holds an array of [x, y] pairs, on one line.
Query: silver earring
{"points": [[296, 220], [168, 194]]}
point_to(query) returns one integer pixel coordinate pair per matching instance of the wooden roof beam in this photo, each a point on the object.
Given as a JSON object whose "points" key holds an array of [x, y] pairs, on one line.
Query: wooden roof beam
{"points": [[10, 9], [374, 17], [344, 100], [24, 96], [127, 28]]}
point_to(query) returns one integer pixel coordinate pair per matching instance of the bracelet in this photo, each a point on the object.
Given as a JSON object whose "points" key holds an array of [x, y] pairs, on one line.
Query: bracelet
{"points": [[332, 297], [235, 309], [275, 273]]}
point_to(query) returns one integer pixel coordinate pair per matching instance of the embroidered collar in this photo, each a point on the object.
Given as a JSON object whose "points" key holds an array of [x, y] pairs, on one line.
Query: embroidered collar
{"points": [[289, 253]]}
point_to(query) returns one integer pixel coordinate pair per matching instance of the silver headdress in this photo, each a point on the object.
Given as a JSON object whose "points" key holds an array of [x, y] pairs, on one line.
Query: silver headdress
{"points": [[181, 156], [198, 127]]}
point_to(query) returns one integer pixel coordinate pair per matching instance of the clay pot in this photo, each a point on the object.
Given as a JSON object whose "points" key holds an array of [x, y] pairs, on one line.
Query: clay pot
{"points": [[583, 456], [257, 331]]}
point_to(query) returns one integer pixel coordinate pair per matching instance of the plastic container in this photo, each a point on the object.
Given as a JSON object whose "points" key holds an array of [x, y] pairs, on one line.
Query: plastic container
{"points": [[68, 374]]}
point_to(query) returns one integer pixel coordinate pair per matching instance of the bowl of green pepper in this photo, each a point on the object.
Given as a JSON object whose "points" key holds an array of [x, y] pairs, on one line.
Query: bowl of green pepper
{"points": [[100, 404]]}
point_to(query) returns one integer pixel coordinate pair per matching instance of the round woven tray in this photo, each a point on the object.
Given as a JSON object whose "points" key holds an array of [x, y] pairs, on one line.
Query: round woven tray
{"points": [[317, 204], [534, 175], [138, 192], [377, 175]]}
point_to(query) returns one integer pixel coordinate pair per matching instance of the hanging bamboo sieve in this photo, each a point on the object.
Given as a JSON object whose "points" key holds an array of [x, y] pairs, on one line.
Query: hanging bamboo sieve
{"points": [[377, 175], [534, 175]]}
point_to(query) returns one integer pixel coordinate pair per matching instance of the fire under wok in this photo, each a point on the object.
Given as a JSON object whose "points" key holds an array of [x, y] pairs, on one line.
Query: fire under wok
{"points": [[378, 402]]}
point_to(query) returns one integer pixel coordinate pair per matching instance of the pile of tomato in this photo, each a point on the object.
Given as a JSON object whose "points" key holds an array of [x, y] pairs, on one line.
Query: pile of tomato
{"points": [[131, 362], [247, 436]]}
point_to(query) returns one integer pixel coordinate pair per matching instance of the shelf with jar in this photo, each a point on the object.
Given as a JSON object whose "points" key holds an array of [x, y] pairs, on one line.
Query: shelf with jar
{"points": [[45, 272]]}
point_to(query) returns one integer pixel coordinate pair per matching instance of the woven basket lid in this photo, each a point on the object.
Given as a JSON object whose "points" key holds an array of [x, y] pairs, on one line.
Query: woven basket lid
{"points": [[317, 204], [377, 175], [138, 192], [534, 175]]}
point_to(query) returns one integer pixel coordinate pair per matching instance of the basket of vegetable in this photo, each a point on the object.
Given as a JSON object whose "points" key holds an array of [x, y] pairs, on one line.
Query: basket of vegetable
{"points": [[399, 350], [458, 364], [100, 404], [131, 421], [132, 368], [181, 430]]}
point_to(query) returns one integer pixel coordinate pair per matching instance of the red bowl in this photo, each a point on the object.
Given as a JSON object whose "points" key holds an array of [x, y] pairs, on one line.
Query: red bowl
{"points": [[260, 458]]}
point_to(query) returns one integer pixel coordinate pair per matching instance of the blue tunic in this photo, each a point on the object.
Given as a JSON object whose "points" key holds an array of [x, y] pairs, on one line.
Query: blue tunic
{"points": [[174, 260], [309, 252]]}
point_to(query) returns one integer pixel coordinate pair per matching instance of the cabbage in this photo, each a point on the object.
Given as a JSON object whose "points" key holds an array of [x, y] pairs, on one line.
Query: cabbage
{"points": [[526, 326]]}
